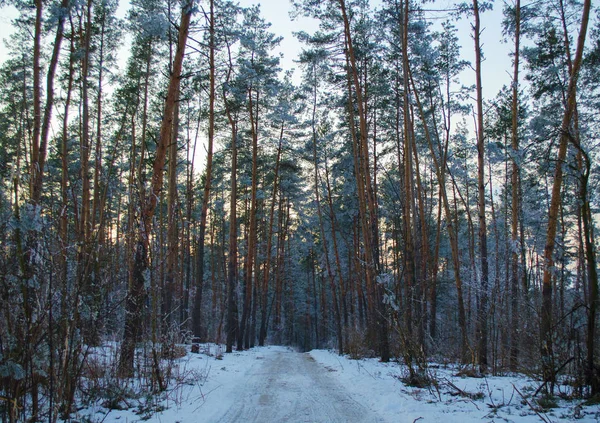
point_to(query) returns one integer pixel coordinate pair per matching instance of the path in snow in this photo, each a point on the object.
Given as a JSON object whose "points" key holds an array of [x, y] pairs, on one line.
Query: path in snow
{"points": [[287, 386]]}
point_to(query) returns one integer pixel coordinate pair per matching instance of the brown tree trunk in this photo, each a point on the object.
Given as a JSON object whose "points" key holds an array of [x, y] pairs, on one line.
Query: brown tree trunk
{"points": [[592, 373], [409, 256], [197, 313], [452, 231], [482, 312], [252, 233], [367, 201], [171, 295], [232, 323], [41, 128], [330, 277], [515, 180], [546, 309], [136, 292], [266, 273]]}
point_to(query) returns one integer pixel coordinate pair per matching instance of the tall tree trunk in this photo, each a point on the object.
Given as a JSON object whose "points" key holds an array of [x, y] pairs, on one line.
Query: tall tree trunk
{"points": [[482, 313], [97, 210], [366, 196], [197, 313], [555, 201], [409, 251], [515, 181], [266, 273], [232, 271], [232, 256], [136, 293], [252, 233], [41, 127], [330, 276], [85, 145], [172, 293], [450, 227], [592, 372]]}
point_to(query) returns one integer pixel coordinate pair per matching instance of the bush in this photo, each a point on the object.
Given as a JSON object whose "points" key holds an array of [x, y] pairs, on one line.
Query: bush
{"points": [[547, 402], [356, 345]]}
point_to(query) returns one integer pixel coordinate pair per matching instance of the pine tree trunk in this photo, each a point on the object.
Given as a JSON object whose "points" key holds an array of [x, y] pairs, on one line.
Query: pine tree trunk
{"points": [[367, 201], [482, 312], [232, 324], [136, 294], [252, 234], [546, 330], [409, 252], [515, 181], [266, 274], [172, 293], [197, 313], [592, 373], [450, 226]]}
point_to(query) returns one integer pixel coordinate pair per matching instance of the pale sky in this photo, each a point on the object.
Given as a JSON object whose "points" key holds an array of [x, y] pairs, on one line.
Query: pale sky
{"points": [[496, 67]]}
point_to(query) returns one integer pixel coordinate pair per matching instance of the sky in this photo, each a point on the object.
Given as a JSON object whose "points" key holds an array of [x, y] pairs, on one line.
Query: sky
{"points": [[496, 67]]}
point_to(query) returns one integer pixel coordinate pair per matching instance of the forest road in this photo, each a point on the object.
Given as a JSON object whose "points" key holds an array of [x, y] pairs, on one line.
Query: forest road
{"points": [[292, 387]]}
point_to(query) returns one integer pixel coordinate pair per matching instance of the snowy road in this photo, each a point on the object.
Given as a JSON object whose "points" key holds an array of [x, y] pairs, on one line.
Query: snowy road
{"points": [[287, 386]]}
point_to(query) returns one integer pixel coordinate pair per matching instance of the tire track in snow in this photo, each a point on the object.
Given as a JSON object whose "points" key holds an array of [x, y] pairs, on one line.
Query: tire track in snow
{"points": [[290, 387]]}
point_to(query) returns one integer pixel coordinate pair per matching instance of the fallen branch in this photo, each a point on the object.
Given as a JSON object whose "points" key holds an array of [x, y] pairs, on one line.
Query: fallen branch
{"points": [[461, 392], [534, 409]]}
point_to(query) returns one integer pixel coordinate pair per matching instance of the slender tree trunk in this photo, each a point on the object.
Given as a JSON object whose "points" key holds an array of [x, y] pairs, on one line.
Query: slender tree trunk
{"points": [[41, 127], [85, 145], [135, 296], [366, 198], [515, 180], [435, 265], [197, 314], [265, 286], [232, 324], [409, 251], [546, 309], [452, 231], [252, 233], [482, 313], [171, 295], [37, 102], [336, 307], [336, 252], [592, 373]]}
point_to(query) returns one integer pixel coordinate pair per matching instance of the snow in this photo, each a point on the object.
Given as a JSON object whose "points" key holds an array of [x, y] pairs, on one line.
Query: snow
{"points": [[269, 384], [379, 386]]}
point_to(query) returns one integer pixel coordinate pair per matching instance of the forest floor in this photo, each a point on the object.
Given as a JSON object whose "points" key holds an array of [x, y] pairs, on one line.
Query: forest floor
{"points": [[278, 384]]}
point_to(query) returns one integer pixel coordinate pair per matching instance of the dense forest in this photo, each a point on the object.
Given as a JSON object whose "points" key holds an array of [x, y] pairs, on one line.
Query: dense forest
{"points": [[193, 191]]}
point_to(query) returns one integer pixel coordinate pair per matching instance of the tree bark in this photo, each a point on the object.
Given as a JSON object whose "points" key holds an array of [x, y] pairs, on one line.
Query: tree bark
{"points": [[172, 293], [232, 324], [252, 233], [266, 273], [136, 293], [452, 232], [197, 314], [515, 180], [546, 331], [482, 312], [366, 198]]}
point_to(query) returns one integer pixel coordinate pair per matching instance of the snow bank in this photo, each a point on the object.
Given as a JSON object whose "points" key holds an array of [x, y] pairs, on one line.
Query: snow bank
{"points": [[202, 393], [378, 386]]}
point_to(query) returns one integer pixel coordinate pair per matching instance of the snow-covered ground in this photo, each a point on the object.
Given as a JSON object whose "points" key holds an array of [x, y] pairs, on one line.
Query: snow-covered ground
{"points": [[277, 384], [493, 399]]}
